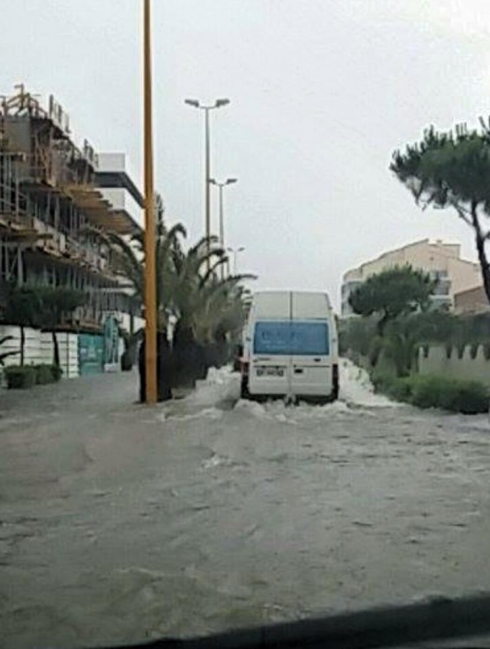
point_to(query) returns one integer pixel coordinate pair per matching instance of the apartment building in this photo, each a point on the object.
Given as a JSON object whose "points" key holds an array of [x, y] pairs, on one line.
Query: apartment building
{"points": [[52, 192], [441, 260], [471, 301]]}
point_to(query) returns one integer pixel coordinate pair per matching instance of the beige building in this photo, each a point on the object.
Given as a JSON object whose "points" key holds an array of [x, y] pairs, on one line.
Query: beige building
{"points": [[441, 260], [473, 300]]}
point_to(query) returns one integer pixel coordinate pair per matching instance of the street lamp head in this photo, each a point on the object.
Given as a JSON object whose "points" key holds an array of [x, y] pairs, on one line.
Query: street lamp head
{"points": [[230, 181], [222, 102], [192, 102], [241, 249], [213, 181]]}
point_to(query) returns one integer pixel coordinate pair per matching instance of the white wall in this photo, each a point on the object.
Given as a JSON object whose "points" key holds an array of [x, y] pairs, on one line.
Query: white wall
{"points": [[39, 348], [437, 362], [112, 162], [32, 348], [68, 348]]}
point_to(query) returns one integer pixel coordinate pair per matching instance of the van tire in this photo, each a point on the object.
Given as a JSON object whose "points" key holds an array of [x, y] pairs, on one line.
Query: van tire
{"points": [[244, 391], [335, 383]]}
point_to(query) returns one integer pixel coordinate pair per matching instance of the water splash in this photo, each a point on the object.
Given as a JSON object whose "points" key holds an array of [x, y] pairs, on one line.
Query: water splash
{"points": [[356, 388]]}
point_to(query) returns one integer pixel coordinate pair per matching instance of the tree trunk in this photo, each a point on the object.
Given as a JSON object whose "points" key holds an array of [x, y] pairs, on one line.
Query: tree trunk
{"points": [[131, 318], [381, 325], [480, 248], [142, 370], [164, 367], [56, 350], [188, 357], [22, 345]]}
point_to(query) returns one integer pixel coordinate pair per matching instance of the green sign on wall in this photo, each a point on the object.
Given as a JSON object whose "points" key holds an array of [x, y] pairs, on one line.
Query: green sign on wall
{"points": [[90, 353]]}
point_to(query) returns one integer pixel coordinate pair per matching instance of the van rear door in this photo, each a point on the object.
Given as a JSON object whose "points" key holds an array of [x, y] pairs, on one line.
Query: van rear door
{"points": [[311, 353], [311, 373], [270, 367]]}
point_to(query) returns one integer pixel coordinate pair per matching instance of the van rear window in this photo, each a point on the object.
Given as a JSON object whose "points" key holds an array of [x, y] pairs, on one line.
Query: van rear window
{"points": [[291, 338]]}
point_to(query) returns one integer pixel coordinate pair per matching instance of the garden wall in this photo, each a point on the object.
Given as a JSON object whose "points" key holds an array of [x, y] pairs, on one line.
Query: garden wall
{"points": [[33, 352], [39, 349], [434, 360]]}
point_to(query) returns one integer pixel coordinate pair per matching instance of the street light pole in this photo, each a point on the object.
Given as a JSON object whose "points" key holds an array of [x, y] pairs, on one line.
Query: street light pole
{"points": [[207, 160], [220, 186], [221, 217], [207, 176], [150, 282], [235, 252]]}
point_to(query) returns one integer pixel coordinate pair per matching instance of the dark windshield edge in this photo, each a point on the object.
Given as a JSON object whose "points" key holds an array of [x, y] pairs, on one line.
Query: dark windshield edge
{"points": [[436, 619]]}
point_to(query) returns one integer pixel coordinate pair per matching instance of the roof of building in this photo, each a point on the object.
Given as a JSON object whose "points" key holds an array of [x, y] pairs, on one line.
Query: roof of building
{"points": [[438, 245]]}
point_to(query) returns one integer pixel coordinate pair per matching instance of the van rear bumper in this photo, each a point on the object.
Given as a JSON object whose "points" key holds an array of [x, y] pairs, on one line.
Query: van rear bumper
{"points": [[305, 398], [322, 390]]}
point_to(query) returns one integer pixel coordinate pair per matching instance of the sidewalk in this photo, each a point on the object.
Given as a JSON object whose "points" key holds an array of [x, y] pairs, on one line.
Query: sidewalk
{"points": [[104, 391]]}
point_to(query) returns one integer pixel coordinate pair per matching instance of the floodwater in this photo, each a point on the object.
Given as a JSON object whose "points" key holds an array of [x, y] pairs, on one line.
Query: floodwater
{"points": [[121, 523]]}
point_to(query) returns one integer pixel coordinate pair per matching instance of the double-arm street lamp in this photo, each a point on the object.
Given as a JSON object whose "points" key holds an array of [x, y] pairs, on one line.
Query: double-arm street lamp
{"points": [[220, 186], [235, 252], [219, 103]]}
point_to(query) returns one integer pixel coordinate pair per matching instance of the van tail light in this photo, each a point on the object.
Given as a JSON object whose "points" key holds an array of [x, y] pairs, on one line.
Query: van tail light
{"points": [[335, 381]]}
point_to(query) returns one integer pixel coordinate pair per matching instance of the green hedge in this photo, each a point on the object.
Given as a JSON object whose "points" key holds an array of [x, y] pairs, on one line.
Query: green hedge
{"points": [[432, 391], [57, 372], [47, 374], [44, 374], [20, 377]]}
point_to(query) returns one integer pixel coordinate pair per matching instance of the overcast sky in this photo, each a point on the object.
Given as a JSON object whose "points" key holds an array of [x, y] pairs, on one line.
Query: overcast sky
{"points": [[322, 92]]}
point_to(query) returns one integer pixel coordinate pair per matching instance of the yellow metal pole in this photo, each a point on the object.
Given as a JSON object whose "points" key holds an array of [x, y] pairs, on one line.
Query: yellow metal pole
{"points": [[150, 281]]}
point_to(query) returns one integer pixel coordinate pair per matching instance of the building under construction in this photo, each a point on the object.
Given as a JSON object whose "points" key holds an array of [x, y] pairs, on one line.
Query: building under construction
{"points": [[51, 196]]}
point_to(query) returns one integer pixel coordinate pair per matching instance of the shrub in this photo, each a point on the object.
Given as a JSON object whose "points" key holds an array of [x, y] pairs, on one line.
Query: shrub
{"points": [[44, 374], [20, 377], [428, 391], [57, 372], [432, 391], [382, 379], [400, 389], [127, 361], [467, 397]]}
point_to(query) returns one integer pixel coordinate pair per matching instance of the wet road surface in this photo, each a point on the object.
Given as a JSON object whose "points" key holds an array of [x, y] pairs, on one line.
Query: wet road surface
{"points": [[121, 523]]}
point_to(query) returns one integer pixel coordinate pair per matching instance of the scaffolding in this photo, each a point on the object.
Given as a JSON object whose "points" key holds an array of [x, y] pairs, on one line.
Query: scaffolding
{"points": [[49, 201]]}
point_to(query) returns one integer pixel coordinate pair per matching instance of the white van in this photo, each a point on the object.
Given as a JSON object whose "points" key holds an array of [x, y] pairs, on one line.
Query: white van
{"points": [[290, 347]]}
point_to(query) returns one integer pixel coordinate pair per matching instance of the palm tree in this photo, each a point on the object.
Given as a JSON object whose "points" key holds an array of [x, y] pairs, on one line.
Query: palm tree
{"points": [[219, 308], [207, 309], [126, 258]]}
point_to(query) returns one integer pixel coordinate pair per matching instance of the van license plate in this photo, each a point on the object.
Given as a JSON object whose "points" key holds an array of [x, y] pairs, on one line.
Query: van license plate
{"points": [[270, 371]]}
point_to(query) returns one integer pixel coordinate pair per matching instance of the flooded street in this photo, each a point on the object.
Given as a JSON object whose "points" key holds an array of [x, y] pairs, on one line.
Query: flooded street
{"points": [[121, 523]]}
